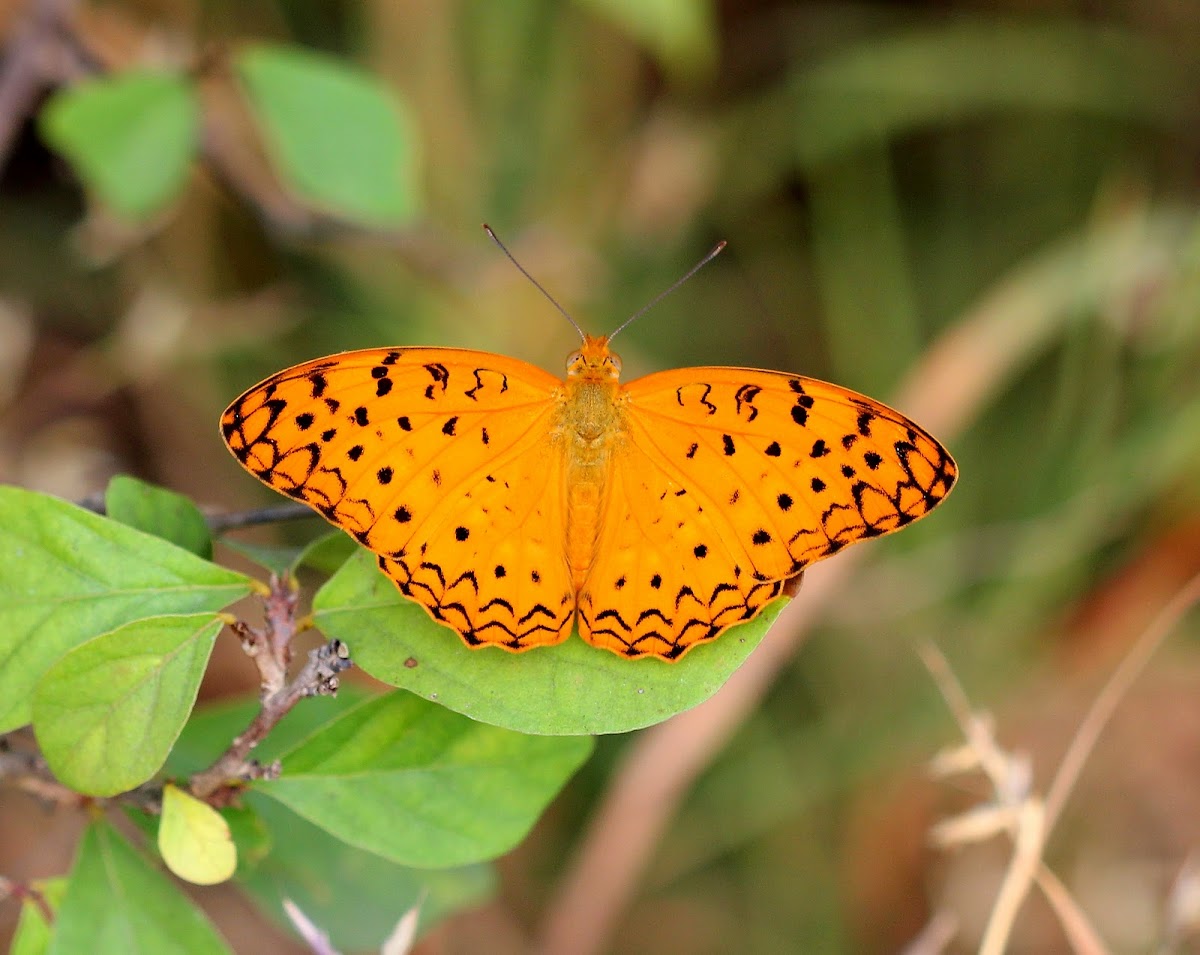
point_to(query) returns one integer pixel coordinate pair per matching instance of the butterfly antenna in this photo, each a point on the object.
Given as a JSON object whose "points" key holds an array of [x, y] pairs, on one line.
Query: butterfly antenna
{"points": [[536, 284], [713, 253]]}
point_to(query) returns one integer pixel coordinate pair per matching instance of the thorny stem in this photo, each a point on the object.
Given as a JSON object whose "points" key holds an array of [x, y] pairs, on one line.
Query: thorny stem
{"points": [[270, 648]]}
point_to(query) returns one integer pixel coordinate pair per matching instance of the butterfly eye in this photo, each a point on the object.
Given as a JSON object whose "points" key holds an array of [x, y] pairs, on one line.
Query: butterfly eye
{"points": [[615, 363], [574, 358]]}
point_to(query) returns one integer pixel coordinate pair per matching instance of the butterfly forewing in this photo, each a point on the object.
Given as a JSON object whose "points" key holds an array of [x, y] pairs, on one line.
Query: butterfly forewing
{"points": [[441, 462]]}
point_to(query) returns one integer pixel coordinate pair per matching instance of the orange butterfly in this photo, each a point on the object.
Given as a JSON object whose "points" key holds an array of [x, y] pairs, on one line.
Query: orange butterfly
{"points": [[513, 505]]}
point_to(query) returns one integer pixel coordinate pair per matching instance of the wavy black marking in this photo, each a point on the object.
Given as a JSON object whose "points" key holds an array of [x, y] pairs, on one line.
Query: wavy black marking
{"points": [[441, 378], [745, 395]]}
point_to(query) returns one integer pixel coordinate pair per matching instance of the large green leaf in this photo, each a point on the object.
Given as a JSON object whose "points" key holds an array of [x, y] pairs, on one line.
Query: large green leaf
{"points": [[338, 137], [118, 904], [130, 137], [571, 689], [158, 511], [67, 575], [353, 895], [422, 786], [107, 713]]}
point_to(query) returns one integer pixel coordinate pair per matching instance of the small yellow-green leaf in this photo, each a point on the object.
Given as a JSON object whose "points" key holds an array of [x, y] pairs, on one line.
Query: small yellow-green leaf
{"points": [[194, 839], [108, 712]]}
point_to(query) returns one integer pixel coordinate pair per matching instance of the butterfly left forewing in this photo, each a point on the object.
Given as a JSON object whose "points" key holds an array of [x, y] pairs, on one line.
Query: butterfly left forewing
{"points": [[756, 475], [428, 457], [792, 460]]}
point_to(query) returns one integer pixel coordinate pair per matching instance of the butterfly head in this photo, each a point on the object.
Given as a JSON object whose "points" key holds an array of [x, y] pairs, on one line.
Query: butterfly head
{"points": [[593, 361]]}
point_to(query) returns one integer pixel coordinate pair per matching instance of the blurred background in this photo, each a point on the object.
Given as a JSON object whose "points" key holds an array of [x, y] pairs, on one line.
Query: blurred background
{"points": [[985, 212]]}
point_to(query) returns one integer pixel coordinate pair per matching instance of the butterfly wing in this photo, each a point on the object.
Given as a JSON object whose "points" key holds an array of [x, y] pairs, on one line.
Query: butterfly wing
{"points": [[439, 460], [731, 481]]}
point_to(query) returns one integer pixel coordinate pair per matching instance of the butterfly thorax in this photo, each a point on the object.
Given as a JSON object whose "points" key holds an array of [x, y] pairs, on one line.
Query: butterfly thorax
{"points": [[591, 429]]}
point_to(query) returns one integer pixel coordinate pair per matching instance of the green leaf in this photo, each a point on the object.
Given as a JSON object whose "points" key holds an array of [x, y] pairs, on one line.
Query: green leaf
{"points": [[277, 559], [194, 839], [251, 837], [571, 689], [327, 553], [682, 34], [422, 786], [118, 904], [33, 933], [107, 713], [67, 575], [130, 137], [160, 512], [353, 895], [338, 137]]}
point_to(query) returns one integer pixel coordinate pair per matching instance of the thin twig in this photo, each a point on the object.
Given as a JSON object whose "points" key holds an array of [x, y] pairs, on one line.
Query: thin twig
{"points": [[27, 770], [1075, 925], [1105, 704], [275, 514], [1022, 867], [12, 889], [219, 523], [317, 940], [1036, 818], [270, 648], [1015, 811], [934, 938]]}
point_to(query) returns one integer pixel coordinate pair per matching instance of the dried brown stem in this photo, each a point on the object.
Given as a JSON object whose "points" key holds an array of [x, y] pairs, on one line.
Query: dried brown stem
{"points": [[12, 889], [1106, 701]]}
